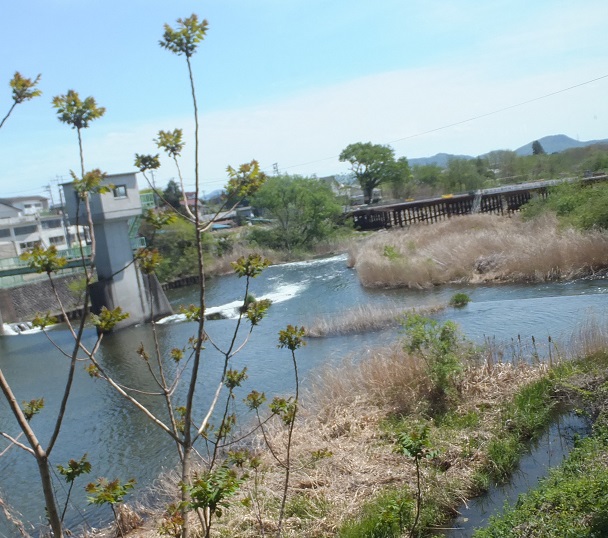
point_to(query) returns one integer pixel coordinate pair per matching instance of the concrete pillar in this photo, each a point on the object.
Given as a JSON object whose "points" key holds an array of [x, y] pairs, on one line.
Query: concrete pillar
{"points": [[120, 282]]}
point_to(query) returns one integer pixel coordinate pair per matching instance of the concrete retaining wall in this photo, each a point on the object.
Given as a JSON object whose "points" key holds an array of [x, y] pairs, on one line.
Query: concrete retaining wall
{"points": [[24, 302]]}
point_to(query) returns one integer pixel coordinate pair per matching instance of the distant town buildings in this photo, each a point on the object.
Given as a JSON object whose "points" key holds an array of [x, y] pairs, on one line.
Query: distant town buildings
{"points": [[26, 222]]}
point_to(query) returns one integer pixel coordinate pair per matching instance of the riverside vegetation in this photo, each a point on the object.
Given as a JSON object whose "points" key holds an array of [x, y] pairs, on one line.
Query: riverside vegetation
{"points": [[480, 249], [390, 444], [383, 446]]}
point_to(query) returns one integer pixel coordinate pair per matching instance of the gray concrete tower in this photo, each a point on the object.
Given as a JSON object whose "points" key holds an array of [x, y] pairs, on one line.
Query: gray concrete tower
{"points": [[120, 282]]}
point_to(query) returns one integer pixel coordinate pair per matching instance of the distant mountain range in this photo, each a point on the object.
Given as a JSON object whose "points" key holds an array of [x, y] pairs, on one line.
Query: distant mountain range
{"points": [[213, 194], [551, 144]]}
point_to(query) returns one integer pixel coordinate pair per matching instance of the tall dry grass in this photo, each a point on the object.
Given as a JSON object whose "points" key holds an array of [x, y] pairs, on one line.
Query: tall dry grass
{"points": [[590, 338], [479, 248], [364, 318]]}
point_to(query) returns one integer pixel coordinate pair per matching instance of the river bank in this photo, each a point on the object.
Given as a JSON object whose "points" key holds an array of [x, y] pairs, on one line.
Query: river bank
{"points": [[478, 249], [348, 477], [301, 292]]}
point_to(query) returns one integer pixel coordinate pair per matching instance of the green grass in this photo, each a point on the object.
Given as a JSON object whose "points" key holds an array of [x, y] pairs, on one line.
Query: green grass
{"points": [[571, 502], [304, 507], [387, 516], [458, 421], [523, 419], [503, 457]]}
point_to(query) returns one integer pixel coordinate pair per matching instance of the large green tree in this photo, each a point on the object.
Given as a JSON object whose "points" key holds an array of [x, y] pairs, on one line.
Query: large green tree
{"points": [[372, 165], [505, 165], [428, 176], [304, 211]]}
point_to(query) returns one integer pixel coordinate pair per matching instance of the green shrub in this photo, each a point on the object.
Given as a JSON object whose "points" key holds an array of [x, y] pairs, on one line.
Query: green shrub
{"points": [[391, 253], [458, 300], [576, 204], [439, 346]]}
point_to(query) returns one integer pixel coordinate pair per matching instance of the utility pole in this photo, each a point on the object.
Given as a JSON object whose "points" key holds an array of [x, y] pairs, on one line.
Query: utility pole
{"points": [[64, 215], [153, 181], [50, 191]]}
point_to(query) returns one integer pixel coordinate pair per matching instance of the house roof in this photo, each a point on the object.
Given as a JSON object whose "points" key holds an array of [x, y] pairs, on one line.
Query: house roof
{"points": [[17, 199], [6, 204]]}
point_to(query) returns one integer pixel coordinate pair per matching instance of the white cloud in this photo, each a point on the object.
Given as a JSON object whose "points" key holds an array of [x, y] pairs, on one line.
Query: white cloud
{"points": [[305, 133]]}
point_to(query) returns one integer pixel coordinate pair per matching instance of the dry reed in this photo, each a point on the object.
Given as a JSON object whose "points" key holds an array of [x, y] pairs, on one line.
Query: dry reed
{"points": [[479, 248], [364, 318]]}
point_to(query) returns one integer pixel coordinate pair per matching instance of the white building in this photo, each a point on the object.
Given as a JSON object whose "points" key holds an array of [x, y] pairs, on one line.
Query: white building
{"points": [[26, 222], [28, 205]]}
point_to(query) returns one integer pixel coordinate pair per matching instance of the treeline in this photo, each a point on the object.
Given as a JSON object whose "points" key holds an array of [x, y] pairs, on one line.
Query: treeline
{"points": [[506, 167], [294, 215]]}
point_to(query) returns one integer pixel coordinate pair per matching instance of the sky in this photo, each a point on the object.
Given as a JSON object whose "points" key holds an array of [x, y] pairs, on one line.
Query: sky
{"points": [[291, 83]]}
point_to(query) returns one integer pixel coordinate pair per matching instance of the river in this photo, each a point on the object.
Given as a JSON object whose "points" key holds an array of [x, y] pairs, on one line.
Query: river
{"points": [[121, 442]]}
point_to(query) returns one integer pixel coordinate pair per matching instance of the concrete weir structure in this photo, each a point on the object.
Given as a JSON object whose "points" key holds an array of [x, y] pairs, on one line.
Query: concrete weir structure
{"points": [[120, 281]]}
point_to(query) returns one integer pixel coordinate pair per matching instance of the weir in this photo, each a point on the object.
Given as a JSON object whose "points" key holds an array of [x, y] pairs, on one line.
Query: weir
{"points": [[120, 281]]}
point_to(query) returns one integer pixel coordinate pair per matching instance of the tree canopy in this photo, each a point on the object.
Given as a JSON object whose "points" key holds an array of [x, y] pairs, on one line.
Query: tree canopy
{"points": [[304, 211], [462, 175], [400, 179], [372, 165]]}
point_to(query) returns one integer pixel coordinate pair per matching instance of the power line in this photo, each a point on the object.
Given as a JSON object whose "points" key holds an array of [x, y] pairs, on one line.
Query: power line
{"points": [[408, 137], [473, 118], [498, 111]]}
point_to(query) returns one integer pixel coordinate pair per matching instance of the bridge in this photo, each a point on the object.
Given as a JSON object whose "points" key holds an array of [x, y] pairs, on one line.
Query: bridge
{"points": [[498, 201]]}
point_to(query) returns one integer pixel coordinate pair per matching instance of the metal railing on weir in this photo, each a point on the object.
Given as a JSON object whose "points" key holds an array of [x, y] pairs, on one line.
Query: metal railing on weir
{"points": [[15, 271]]}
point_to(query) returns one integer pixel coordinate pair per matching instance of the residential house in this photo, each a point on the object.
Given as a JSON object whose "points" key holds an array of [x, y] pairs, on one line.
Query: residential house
{"points": [[28, 205], [26, 222], [346, 187]]}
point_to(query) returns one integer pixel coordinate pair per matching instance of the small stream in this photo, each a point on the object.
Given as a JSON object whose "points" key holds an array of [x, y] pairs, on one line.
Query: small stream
{"points": [[547, 452]]}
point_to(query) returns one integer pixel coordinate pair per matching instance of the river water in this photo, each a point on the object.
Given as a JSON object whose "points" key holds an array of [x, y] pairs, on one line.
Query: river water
{"points": [[121, 442]]}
